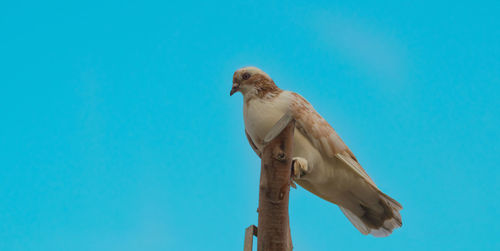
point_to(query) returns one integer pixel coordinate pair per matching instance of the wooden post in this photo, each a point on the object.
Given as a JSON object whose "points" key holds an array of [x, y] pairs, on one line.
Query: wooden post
{"points": [[274, 225], [249, 233]]}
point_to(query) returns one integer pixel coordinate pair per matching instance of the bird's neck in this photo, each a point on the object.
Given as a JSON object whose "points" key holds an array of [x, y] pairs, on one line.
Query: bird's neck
{"points": [[267, 91]]}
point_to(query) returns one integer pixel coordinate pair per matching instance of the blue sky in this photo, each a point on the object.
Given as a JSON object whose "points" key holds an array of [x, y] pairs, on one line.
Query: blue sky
{"points": [[118, 132]]}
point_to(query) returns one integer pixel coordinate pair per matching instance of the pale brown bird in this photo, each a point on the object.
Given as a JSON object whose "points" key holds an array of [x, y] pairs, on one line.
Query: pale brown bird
{"points": [[322, 163]]}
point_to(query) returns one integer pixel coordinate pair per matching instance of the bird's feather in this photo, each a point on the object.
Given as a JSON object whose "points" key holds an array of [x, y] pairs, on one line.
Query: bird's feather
{"points": [[323, 136], [254, 147], [371, 211]]}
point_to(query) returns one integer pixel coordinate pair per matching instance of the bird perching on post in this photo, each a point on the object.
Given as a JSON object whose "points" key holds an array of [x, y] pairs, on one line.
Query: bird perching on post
{"points": [[321, 162]]}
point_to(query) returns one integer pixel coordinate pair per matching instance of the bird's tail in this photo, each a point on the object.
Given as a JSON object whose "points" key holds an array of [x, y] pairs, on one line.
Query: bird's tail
{"points": [[378, 219]]}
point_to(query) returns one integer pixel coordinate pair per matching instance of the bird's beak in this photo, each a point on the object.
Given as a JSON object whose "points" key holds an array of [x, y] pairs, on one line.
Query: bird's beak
{"points": [[236, 87]]}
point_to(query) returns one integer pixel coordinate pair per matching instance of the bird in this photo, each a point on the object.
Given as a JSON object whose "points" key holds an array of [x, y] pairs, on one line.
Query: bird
{"points": [[322, 163]]}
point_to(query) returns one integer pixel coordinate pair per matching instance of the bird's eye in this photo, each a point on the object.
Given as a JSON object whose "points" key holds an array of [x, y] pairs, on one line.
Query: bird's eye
{"points": [[246, 76]]}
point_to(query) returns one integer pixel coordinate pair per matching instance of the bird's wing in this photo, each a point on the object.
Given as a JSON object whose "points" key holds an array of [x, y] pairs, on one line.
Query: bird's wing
{"points": [[373, 212], [254, 147], [323, 136]]}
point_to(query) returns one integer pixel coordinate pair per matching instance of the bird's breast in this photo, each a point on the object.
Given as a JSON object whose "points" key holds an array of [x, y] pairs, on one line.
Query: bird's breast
{"points": [[260, 116]]}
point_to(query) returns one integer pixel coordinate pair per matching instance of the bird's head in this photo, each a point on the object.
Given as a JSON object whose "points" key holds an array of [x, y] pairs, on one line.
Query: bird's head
{"points": [[253, 81]]}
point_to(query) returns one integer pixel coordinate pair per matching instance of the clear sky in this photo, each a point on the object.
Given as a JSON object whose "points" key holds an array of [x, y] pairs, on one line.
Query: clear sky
{"points": [[118, 133]]}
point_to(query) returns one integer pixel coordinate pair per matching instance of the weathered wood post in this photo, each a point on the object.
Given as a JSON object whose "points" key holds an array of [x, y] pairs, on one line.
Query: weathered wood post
{"points": [[273, 232], [250, 232], [274, 225]]}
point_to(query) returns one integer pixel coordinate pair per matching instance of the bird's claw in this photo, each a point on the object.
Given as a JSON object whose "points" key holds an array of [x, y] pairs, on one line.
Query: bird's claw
{"points": [[299, 168]]}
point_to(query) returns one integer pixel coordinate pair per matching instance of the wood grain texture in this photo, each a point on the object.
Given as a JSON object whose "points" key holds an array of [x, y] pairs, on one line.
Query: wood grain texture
{"points": [[274, 225], [249, 233]]}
